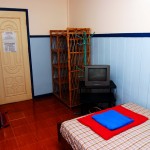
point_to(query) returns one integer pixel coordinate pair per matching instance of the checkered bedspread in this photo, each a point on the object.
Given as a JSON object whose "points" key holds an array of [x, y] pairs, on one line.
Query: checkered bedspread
{"points": [[81, 137]]}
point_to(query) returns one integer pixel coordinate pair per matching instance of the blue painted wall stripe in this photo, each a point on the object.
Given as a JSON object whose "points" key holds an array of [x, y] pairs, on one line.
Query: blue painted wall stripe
{"points": [[106, 35], [123, 35]]}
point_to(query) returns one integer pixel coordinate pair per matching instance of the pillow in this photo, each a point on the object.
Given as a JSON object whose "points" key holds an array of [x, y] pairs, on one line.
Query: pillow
{"points": [[112, 119]]}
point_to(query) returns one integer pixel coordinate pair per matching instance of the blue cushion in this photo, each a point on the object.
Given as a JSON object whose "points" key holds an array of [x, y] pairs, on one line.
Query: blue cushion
{"points": [[112, 119]]}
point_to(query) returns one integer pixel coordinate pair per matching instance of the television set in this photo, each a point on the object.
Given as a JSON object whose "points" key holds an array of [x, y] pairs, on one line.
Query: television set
{"points": [[97, 75]]}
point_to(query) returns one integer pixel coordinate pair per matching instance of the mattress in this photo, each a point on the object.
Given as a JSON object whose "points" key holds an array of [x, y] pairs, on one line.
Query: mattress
{"points": [[81, 137]]}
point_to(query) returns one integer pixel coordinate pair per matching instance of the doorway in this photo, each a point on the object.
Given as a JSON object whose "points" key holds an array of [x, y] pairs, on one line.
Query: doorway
{"points": [[15, 67]]}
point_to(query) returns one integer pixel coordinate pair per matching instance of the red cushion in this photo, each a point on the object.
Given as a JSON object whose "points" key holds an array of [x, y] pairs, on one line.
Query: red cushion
{"points": [[106, 133]]}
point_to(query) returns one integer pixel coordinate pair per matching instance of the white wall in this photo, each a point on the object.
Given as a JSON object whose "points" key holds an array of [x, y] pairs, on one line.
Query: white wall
{"points": [[110, 16], [102, 16], [43, 15]]}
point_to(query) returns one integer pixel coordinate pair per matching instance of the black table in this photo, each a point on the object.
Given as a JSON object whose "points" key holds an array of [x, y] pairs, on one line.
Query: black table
{"points": [[91, 96]]}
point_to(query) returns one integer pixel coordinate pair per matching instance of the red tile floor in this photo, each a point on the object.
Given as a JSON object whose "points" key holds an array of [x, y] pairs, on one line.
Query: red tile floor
{"points": [[33, 124]]}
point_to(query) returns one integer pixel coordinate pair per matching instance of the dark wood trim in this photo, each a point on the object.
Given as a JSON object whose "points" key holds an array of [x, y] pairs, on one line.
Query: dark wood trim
{"points": [[29, 47], [43, 95], [39, 36], [12, 9]]}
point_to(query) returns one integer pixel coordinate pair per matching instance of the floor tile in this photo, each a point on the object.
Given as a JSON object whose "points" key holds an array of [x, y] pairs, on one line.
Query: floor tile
{"points": [[26, 139], [18, 122], [34, 146], [8, 132], [1, 135], [15, 115], [9, 144], [21, 130], [37, 125], [43, 134], [33, 124]]}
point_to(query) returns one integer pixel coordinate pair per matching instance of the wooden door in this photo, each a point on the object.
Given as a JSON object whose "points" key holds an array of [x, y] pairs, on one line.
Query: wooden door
{"points": [[15, 81]]}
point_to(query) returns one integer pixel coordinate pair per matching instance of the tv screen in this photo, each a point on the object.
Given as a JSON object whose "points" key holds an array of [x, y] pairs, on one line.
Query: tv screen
{"points": [[97, 75]]}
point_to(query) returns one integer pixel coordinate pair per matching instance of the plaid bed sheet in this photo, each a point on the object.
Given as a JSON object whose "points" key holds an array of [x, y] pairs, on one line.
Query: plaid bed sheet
{"points": [[81, 137]]}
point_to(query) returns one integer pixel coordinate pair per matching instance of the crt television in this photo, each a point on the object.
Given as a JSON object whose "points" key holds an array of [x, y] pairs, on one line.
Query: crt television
{"points": [[97, 75]]}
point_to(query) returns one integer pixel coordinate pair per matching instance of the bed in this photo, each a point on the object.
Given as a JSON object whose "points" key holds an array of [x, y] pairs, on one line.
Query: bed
{"points": [[81, 137]]}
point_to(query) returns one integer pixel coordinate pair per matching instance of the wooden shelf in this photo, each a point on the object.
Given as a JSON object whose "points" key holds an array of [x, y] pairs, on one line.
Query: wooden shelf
{"points": [[66, 54], [62, 81], [59, 51], [65, 65]]}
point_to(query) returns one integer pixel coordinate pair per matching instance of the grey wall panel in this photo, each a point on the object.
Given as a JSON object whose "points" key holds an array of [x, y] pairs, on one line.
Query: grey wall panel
{"points": [[41, 65], [129, 61]]}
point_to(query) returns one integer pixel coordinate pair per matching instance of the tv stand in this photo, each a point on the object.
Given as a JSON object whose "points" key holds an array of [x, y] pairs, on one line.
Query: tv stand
{"points": [[91, 96]]}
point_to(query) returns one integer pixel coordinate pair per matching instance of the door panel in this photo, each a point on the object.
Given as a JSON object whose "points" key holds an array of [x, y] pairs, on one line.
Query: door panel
{"points": [[15, 82]]}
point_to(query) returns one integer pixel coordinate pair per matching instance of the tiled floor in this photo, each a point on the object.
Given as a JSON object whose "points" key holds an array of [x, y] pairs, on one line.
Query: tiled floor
{"points": [[33, 124]]}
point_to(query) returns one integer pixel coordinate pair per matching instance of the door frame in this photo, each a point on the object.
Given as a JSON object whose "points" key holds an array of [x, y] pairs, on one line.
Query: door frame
{"points": [[28, 39]]}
